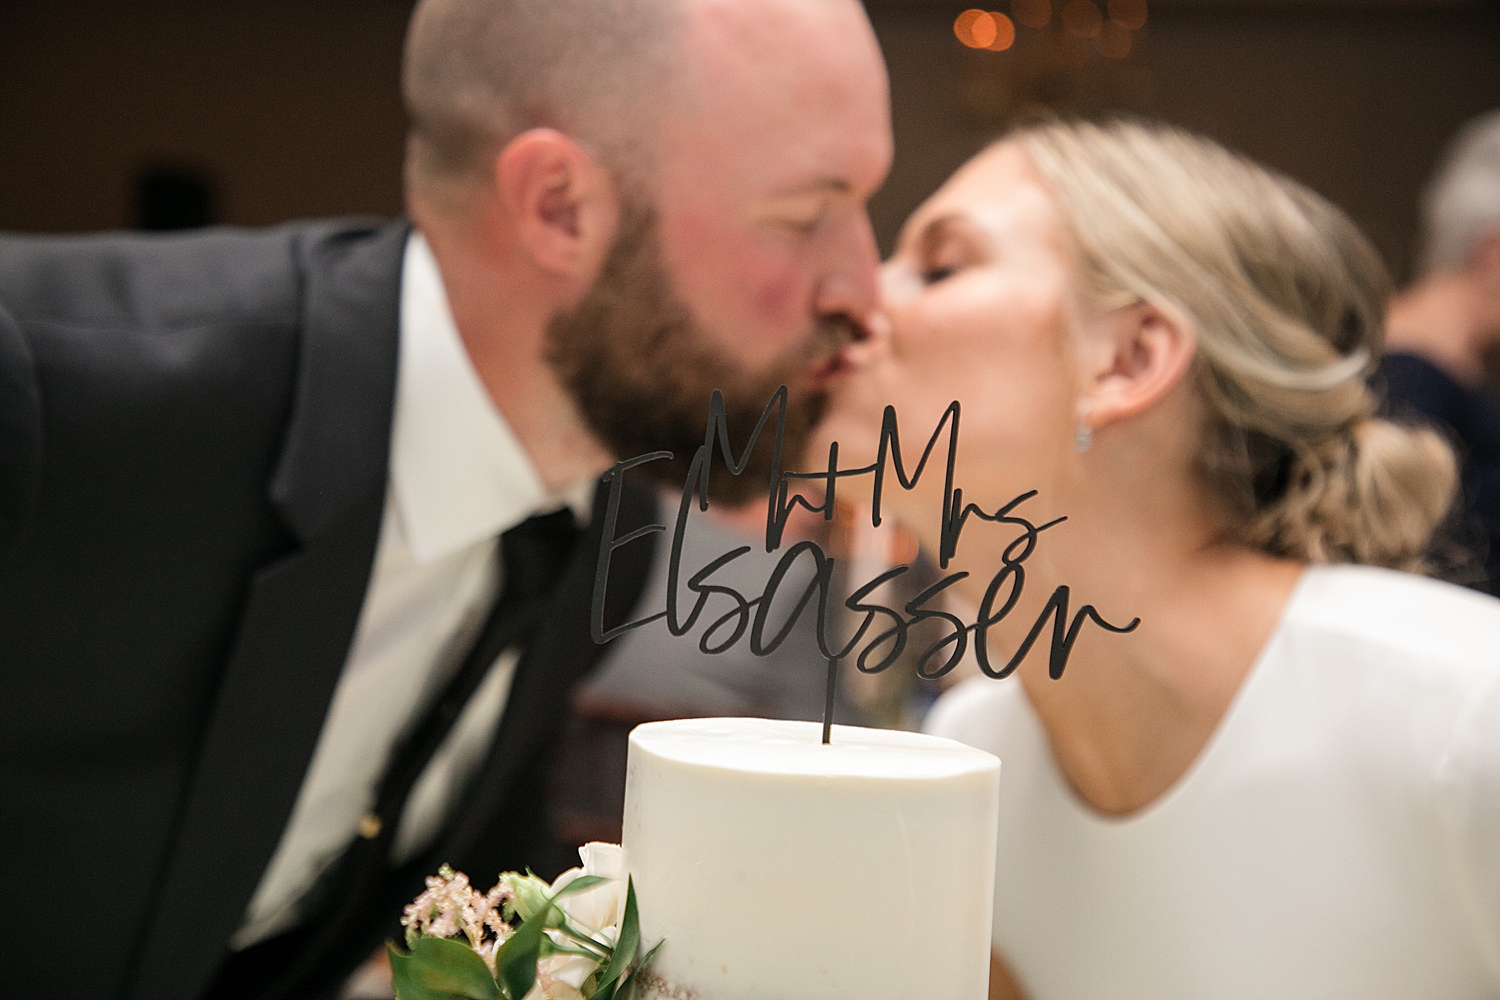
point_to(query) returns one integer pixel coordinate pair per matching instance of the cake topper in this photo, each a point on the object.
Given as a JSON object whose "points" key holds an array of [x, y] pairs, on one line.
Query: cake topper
{"points": [[751, 614]]}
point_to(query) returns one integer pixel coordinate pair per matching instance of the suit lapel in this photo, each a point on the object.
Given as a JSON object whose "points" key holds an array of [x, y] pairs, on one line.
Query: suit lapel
{"points": [[300, 613], [502, 819]]}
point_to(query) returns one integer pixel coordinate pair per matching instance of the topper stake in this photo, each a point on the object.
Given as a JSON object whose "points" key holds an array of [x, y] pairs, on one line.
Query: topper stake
{"points": [[833, 680]]}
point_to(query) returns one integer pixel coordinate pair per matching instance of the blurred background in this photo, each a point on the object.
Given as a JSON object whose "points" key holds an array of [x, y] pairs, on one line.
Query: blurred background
{"points": [[167, 114], [171, 113]]}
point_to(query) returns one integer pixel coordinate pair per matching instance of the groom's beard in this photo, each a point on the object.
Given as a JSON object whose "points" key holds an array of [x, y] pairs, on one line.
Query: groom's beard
{"points": [[641, 370]]}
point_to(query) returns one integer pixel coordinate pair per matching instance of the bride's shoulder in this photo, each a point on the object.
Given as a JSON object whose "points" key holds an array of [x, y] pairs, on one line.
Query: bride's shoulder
{"points": [[1411, 618], [980, 712]]}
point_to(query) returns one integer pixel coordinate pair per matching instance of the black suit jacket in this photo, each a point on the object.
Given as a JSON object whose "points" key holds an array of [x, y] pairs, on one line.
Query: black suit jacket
{"points": [[194, 433]]}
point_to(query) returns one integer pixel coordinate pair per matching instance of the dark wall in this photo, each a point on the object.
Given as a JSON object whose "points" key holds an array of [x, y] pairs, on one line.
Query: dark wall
{"points": [[291, 108], [1356, 103]]}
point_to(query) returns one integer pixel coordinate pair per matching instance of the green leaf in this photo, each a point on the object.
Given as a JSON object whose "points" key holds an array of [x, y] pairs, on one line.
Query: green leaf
{"points": [[627, 985], [518, 956], [646, 958], [579, 884], [516, 960], [529, 894], [624, 951], [583, 939], [441, 969], [551, 947]]}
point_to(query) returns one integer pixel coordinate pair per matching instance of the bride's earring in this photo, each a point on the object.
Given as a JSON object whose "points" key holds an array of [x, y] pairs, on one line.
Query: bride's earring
{"points": [[1083, 437]]}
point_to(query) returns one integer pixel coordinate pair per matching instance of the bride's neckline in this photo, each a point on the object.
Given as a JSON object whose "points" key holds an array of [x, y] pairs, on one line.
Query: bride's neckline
{"points": [[1203, 762]]}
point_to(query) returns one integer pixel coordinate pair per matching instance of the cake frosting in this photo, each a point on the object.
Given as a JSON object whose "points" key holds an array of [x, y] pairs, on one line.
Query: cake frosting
{"points": [[774, 867]]}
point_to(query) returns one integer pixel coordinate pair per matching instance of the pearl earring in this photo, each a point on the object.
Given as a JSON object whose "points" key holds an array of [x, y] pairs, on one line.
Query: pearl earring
{"points": [[1083, 439]]}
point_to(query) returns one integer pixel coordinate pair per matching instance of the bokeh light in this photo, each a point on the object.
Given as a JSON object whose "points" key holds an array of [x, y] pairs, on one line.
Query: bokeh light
{"points": [[982, 29], [1114, 40], [1005, 32], [1082, 19], [1131, 14], [974, 28], [1031, 13]]}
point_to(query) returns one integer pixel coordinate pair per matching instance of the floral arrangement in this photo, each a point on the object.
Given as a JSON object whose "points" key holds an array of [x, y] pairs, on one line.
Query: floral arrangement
{"points": [[576, 939]]}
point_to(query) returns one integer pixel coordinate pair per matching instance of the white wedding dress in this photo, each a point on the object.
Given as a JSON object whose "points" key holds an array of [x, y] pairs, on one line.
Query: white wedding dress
{"points": [[1339, 836]]}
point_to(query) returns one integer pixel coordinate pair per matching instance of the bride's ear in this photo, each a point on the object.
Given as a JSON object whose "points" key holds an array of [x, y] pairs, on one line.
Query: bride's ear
{"points": [[1133, 357]]}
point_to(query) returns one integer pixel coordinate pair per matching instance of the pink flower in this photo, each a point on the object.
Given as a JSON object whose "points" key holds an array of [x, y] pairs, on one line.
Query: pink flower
{"points": [[450, 906], [439, 911]]}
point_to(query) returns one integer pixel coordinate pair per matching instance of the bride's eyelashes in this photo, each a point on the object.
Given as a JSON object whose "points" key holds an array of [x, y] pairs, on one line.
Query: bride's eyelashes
{"points": [[943, 247], [941, 263]]}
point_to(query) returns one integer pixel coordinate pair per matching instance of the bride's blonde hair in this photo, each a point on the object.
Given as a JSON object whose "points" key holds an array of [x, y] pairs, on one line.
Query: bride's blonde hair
{"points": [[1285, 299]]}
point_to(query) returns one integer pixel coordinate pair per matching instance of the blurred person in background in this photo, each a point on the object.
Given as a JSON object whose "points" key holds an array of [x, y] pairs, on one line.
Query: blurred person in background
{"points": [[1443, 331], [1285, 782], [291, 596]]}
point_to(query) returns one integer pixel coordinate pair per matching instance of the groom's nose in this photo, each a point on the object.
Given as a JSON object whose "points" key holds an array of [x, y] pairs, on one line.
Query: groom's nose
{"points": [[849, 287]]}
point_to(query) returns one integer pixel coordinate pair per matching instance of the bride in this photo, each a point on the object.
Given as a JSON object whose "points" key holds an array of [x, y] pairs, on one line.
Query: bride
{"points": [[1286, 781]]}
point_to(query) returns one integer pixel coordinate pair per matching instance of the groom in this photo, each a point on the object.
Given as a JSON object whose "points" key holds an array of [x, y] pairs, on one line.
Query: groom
{"points": [[268, 497]]}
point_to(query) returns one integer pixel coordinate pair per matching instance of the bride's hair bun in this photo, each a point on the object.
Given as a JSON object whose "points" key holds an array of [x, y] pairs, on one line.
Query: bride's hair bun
{"points": [[1372, 495], [1285, 298]]}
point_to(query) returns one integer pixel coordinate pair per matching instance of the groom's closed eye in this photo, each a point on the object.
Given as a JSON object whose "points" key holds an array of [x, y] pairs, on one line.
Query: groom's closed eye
{"points": [[804, 219], [804, 209]]}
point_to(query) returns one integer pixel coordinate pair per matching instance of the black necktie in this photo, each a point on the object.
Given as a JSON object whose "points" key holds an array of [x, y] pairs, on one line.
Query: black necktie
{"points": [[533, 555]]}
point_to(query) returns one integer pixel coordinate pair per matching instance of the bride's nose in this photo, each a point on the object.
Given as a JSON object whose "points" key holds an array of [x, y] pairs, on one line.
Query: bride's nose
{"points": [[878, 325], [894, 284], [874, 341]]}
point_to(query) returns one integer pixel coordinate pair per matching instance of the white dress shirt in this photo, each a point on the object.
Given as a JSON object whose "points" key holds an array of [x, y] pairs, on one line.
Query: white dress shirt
{"points": [[458, 479]]}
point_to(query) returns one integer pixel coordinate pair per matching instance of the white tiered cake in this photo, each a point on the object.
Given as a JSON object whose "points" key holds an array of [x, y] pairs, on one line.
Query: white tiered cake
{"points": [[778, 868]]}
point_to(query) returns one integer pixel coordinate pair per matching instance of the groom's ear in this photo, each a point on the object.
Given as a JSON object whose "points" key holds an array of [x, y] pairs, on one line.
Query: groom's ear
{"points": [[1134, 356], [562, 202]]}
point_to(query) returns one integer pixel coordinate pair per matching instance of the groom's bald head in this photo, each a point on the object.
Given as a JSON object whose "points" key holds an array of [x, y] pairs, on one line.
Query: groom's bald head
{"points": [[674, 189], [478, 73]]}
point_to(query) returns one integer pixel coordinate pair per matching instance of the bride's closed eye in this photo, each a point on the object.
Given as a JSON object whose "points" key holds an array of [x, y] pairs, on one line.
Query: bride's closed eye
{"points": [[943, 249], [943, 261]]}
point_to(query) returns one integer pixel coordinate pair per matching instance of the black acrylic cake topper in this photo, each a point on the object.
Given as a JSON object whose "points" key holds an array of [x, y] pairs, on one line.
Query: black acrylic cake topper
{"points": [[752, 613]]}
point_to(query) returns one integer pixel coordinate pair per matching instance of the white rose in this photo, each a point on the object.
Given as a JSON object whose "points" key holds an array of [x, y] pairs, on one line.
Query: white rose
{"points": [[596, 911], [555, 975]]}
